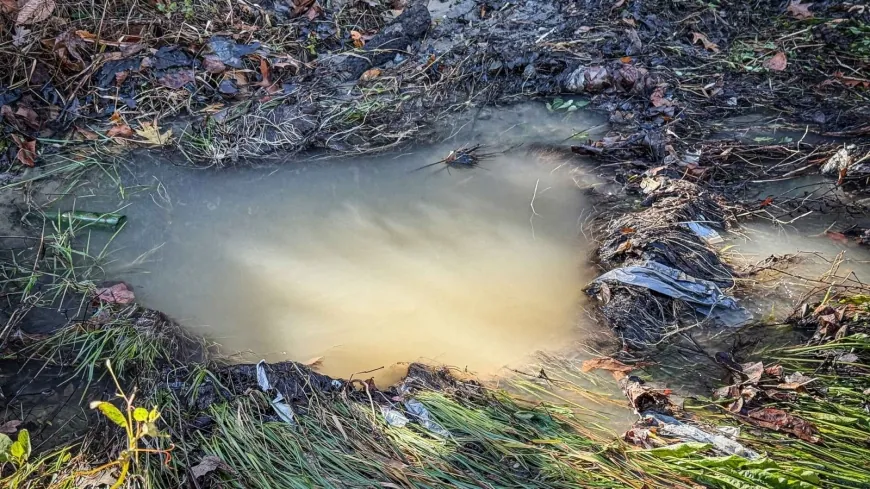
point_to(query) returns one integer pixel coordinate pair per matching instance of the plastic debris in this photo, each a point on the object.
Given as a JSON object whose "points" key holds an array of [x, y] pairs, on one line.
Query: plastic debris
{"points": [[703, 295], [393, 417], [669, 426], [231, 53], [710, 235], [285, 412], [418, 410]]}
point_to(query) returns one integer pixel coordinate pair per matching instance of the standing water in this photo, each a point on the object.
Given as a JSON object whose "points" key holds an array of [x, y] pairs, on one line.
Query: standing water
{"points": [[363, 264]]}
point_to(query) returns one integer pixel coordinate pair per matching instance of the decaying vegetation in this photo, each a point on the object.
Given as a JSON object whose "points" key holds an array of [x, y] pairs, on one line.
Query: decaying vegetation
{"points": [[222, 82]]}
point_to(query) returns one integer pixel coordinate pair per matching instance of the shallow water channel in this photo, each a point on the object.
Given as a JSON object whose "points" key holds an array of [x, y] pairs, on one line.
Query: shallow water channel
{"points": [[364, 264]]}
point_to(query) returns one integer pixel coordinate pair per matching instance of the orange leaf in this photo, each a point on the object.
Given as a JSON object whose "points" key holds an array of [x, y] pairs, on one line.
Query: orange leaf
{"points": [[625, 59], [370, 74], [264, 70], [766, 202], [777, 63], [120, 131]]}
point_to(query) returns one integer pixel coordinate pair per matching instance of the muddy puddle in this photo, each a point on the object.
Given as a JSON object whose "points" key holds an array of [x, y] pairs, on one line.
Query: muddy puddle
{"points": [[363, 264]]}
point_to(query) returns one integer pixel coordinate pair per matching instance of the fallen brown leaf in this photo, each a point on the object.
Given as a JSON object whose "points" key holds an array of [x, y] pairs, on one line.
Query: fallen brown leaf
{"points": [[777, 63], [212, 64], [616, 368], [116, 294], [800, 11], [10, 427], [357, 38], [779, 420], [29, 116], [708, 45], [26, 151], [265, 72], [8, 6], [177, 79], [313, 362], [34, 11], [370, 74], [753, 372], [658, 98], [120, 131], [209, 463]]}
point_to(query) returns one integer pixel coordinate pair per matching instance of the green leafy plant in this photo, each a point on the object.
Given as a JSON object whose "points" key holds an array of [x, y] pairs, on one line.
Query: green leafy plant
{"points": [[138, 423], [17, 451], [566, 105]]}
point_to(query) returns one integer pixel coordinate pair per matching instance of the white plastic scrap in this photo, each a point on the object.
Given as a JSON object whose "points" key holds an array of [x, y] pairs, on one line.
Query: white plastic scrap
{"points": [[418, 410], [285, 412], [670, 426], [393, 417]]}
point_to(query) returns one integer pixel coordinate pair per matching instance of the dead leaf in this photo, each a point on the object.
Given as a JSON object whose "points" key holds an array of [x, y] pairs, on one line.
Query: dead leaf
{"points": [[777, 63], [627, 230], [658, 98], [357, 38], [87, 134], [152, 135], [29, 116], [116, 294], [838, 237], [34, 11], [779, 420], [800, 11], [708, 45], [69, 42], [616, 368], [774, 371], [120, 131], [100, 479], [265, 72], [766, 202], [728, 392], [313, 362], [10, 427], [209, 464], [624, 246], [212, 64], [605, 293], [798, 378], [752, 371], [26, 151], [177, 79], [371, 74], [8, 6]]}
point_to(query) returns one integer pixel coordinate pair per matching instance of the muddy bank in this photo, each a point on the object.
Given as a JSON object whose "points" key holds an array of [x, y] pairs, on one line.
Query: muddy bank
{"points": [[358, 76]]}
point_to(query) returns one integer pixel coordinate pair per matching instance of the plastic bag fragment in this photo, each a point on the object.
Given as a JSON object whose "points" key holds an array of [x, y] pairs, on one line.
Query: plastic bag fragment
{"points": [[709, 235], [418, 410], [285, 412], [672, 427], [703, 295], [393, 417]]}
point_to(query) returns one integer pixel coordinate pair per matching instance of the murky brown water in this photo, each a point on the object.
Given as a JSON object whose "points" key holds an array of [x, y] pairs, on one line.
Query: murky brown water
{"points": [[365, 264]]}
